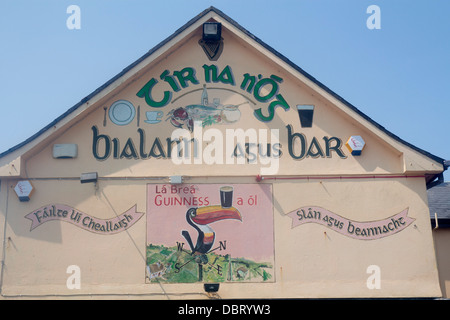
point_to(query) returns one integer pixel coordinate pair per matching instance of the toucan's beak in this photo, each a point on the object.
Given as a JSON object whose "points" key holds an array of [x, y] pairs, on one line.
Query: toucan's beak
{"points": [[209, 214]]}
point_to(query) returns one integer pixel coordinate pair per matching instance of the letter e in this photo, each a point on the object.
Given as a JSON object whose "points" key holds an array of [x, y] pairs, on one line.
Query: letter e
{"points": [[73, 21]]}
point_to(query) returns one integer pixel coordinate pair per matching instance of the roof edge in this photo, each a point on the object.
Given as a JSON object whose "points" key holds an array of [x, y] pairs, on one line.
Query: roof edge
{"points": [[106, 84], [329, 91], [260, 42]]}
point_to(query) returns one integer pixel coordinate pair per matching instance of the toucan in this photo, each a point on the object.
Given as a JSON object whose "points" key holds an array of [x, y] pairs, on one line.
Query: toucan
{"points": [[199, 218]]}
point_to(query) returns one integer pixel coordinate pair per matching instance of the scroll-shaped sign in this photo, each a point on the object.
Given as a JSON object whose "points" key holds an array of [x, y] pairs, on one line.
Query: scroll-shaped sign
{"points": [[80, 219], [369, 230]]}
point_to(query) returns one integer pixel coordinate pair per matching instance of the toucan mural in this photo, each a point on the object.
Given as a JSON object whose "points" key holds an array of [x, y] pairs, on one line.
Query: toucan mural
{"points": [[209, 233], [200, 218]]}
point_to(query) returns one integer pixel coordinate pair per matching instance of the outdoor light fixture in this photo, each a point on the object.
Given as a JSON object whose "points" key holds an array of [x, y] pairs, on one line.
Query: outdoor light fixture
{"points": [[211, 41], [89, 177], [212, 31], [211, 287]]}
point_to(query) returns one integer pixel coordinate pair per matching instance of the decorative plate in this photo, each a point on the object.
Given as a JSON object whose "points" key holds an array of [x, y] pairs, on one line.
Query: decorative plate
{"points": [[122, 112]]}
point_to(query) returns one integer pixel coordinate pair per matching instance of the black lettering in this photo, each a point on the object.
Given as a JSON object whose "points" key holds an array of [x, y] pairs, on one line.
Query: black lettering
{"points": [[142, 153], [96, 139], [129, 151], [157, 151], [336, 148], [314, 144], [291, 141]]}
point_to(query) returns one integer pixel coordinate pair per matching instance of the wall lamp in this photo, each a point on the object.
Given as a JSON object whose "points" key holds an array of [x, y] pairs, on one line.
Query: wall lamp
{"points": [[212, 31], [211, 287], [211, 41], [89, 177]]}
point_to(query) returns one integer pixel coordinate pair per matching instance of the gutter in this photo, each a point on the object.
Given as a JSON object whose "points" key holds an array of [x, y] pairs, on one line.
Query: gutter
{"points": [[440, 176]]}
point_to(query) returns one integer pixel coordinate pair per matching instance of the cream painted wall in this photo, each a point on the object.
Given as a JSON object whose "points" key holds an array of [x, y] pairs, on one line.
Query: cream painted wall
{"points": [[441, 239], [310, 260], [379, 157]]}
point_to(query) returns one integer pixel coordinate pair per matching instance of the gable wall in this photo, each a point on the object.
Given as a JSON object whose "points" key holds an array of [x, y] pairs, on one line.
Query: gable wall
{"points": [[124, 232]]}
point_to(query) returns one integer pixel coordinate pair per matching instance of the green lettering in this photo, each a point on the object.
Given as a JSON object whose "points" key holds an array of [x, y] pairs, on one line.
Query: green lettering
{"points": [[146, 93], [185, 75]]}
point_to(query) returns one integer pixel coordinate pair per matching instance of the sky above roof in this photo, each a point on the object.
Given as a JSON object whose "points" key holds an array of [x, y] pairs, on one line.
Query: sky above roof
{"points": [[397, 75]]}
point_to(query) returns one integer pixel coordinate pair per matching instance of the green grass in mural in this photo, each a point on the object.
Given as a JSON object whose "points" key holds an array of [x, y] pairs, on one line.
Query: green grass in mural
{"points": [[176, 265]]}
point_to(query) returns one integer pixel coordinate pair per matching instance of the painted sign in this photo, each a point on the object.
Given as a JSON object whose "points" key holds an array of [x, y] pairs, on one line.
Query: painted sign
{"points": [[355, 144], [206, 112], [201, 100], [370, 230], [264, 90], [149, 146], [209, 233], [82, 220], [24, 189]]}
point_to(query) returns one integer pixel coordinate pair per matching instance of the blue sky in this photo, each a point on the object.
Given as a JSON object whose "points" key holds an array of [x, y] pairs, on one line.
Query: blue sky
{"points": [[397, 75]]}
